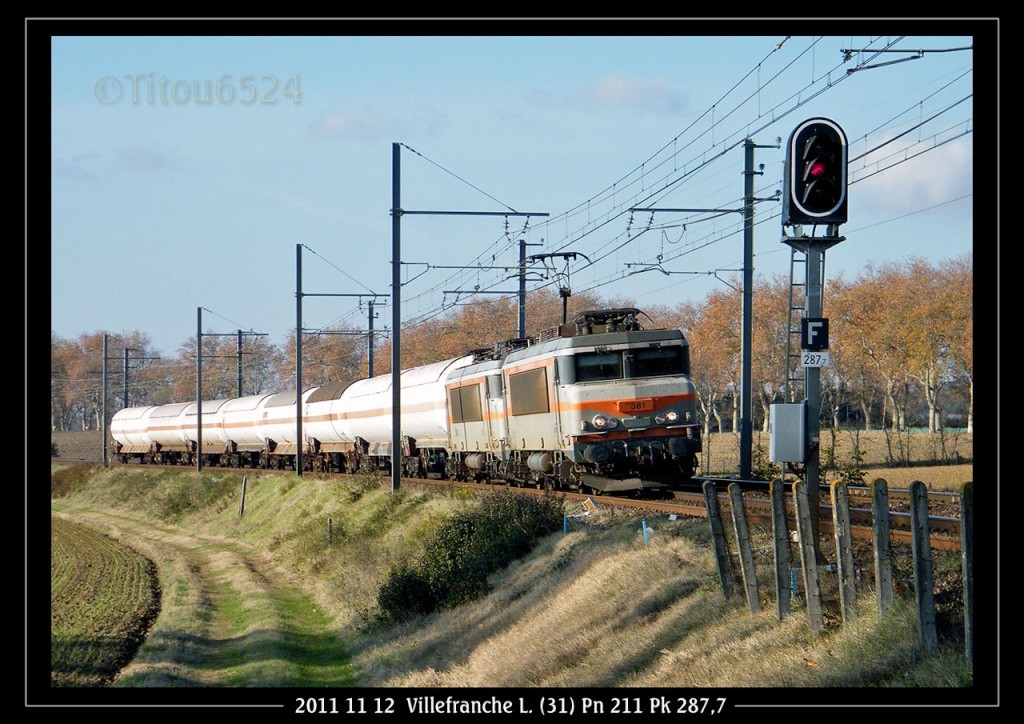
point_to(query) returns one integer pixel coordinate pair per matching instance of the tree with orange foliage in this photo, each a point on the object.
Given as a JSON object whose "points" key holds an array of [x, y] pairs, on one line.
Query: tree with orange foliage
{"points": [[880, 334], [715, 354], [769, 332], [929, 334], [64, 402], [957, 281], [853, 368], [264, 368], [76, 379], [330, 356], [480, 324]]}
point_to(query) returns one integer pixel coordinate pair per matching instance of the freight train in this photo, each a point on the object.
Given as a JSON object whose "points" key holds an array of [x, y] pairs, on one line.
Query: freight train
{"points": [[600, 404]]}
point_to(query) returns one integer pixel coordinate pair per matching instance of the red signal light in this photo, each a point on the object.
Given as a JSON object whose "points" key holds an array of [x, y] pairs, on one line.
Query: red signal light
{"points": [[815, 174]]}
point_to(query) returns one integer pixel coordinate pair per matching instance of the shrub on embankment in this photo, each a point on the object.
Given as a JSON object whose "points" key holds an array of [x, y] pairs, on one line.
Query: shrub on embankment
{"points": [[465, 550]]}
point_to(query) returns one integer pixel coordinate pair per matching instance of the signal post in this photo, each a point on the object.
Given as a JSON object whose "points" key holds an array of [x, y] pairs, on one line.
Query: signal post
{"points": [[815, 195]]}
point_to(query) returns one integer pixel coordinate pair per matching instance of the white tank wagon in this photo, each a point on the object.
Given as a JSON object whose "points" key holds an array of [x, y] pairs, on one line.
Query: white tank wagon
{"points": [[157, 434], [365, 415], [275, 421], [238, 420], [329, 444], [129, 431], [167, 433], [215, 440]]}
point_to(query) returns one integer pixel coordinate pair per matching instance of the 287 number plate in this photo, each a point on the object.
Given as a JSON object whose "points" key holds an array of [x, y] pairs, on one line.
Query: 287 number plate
{"points": [[814, 359]]}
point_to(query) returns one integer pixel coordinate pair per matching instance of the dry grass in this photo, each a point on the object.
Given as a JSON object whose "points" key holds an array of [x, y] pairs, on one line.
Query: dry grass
{"points": [[593, 608], [596, 608]]}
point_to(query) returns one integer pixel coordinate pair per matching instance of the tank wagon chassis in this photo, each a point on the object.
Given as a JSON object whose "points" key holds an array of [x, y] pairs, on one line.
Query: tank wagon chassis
{"points": [[599, 405], [655, 468]]}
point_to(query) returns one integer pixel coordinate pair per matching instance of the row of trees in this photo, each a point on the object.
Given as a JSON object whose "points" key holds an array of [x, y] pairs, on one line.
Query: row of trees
{"points": [[901, 351], [902, 339]]}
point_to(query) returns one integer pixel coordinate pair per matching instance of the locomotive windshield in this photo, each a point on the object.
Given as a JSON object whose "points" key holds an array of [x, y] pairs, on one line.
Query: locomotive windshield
{"points": [[624, 364], [598, 366]]}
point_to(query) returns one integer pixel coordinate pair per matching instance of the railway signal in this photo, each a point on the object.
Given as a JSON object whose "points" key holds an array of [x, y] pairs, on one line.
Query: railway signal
{"points": [[815, 174]]}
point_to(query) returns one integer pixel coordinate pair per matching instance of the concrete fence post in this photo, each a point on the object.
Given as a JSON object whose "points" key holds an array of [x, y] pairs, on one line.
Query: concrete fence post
{"points": [[780, 537], [718, 538], [844, 550], [924, 586], [807, 560], [739, 522], [967, 560], [882, 544]]}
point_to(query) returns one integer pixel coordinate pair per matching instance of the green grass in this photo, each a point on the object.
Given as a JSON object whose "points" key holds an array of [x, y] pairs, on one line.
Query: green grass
{"points": [[230, 618]]}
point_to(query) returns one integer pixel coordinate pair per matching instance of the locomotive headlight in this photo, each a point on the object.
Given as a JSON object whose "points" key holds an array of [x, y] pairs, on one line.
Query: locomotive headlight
{"points": [[666, 417], [602, 422]]}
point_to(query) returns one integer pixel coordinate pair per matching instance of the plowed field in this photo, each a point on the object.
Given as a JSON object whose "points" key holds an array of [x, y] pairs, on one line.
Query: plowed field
{"points": [[103, 597]]}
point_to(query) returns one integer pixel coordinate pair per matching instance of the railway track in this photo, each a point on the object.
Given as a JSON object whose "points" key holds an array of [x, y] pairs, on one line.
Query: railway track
{"points": [[945, 529]]}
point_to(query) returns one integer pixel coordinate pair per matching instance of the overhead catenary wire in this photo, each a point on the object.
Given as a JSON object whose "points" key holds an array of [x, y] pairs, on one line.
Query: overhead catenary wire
{"points": [[616, 198], [642, 167]]}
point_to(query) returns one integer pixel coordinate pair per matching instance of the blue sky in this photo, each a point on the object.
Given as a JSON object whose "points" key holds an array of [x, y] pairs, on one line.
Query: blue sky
{"points": [[171, 191]]}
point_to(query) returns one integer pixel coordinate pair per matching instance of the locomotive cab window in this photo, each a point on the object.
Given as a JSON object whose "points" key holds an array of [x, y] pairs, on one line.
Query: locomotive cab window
{"points": [[656, 361], [598, 366], [624, 364]]}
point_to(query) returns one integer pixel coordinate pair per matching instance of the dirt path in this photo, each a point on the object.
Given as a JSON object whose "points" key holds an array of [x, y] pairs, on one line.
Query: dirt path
{"points": [[230, 617]]}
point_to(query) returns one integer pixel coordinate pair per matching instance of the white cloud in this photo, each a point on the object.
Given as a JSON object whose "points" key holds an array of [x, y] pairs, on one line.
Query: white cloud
{"points": [[72, 169], [941, 174], [365, 124], [635, 93], [134, 159], [145, 159]]}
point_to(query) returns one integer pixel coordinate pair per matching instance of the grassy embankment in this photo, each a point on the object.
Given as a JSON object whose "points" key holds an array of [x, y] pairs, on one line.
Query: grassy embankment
{"points": [[267, 600]]}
